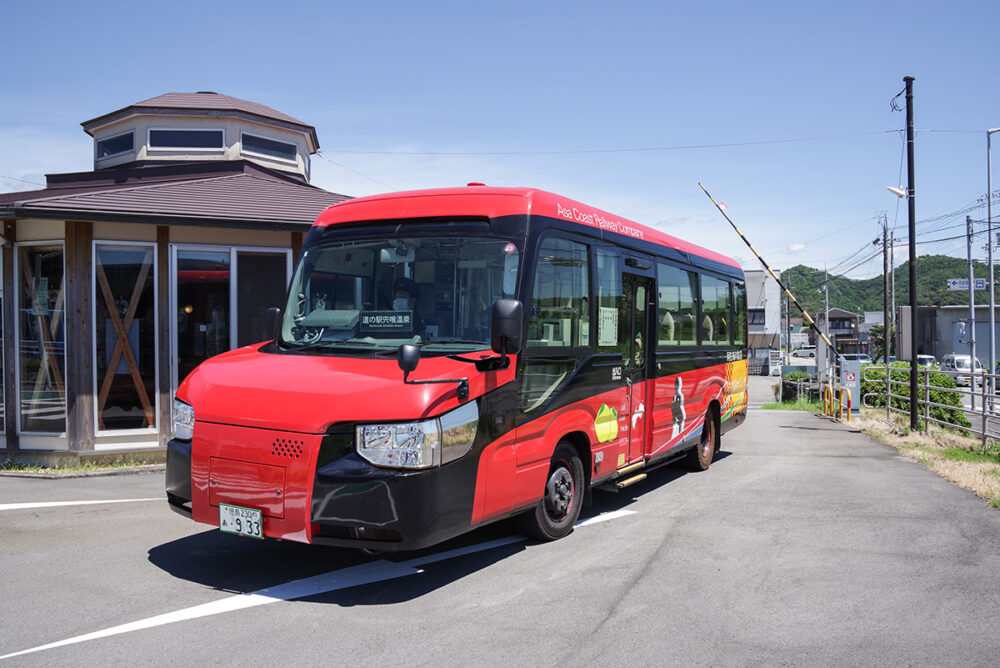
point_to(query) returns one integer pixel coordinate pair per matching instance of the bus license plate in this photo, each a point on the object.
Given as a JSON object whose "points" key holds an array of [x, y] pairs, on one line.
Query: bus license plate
{"points": [[241, 521]]}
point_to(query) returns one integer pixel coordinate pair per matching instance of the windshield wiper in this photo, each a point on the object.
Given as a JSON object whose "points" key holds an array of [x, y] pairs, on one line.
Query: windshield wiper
{"points": [[484, 344], [349, 345]]}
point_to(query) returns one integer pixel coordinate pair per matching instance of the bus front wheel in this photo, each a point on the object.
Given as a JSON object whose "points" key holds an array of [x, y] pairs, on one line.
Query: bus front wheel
{"points": [[555, 514]]}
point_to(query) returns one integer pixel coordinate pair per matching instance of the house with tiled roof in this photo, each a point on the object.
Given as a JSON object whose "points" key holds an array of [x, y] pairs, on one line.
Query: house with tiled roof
{"points": [[117, 282]]}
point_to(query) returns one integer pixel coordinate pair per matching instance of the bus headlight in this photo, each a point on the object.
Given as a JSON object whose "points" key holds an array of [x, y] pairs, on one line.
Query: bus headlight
{"points": [[419, 445], [183, 420]]}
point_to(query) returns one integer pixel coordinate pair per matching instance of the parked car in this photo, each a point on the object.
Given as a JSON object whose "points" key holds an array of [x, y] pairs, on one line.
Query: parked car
{"points": [[856, 357], [953, 363], [927, 361], [806, 351]]}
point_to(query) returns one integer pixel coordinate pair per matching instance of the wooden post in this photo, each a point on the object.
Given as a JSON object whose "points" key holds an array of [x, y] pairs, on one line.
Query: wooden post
{"points": [[163, 333], [9, 328], [79, 337], [297, 240]]}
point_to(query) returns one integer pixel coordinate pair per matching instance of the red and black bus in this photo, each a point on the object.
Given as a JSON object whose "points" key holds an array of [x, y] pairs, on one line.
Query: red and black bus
{"points": [[447, 358]]}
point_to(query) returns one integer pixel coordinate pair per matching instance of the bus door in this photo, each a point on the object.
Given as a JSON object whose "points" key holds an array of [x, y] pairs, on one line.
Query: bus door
{"points": [[638, 294]]}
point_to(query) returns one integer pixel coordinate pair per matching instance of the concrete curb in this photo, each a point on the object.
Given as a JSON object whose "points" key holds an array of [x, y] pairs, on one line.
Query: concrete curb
{"points": [[56, 475]]}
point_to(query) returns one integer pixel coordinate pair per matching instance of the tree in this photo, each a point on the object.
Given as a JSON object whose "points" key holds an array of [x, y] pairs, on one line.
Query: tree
{"points": [[876, 341]]}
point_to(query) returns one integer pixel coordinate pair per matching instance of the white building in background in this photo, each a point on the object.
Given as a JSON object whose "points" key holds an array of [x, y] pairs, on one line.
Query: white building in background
{"points": [[764, 317]]}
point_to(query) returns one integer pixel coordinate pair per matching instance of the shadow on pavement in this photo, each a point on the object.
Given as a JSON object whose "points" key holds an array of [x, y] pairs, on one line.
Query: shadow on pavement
{"points": [[243, 565]]}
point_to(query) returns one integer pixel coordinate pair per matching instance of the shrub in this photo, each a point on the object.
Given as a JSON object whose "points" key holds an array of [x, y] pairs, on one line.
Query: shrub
{"points": [[797, 375], [874, 384]]}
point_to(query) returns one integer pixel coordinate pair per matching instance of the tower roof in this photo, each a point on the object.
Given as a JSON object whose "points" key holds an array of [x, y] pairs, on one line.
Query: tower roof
{"points": [[205, 102]]}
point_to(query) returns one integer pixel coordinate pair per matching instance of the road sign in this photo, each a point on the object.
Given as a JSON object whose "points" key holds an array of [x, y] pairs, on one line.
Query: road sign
{"points": [[957, 284]]}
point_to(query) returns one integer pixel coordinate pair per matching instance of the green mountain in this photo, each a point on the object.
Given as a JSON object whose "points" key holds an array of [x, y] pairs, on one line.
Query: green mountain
{"points": [[933, 272]]}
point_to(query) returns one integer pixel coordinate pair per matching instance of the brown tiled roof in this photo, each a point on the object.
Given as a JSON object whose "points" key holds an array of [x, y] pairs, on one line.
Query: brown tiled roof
{"points": [[205, 101], [245, 194], [216, 101]]}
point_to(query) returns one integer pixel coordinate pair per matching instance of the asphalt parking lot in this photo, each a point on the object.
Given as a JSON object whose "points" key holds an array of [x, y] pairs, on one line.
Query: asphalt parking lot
{"points": [[805, 543]]}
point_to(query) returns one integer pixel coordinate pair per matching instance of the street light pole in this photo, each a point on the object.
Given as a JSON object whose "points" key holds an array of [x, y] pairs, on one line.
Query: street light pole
{"points": [[911, 201], [972, 310]]}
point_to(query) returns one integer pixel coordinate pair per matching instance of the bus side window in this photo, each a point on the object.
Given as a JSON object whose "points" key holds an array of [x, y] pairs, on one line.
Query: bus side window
{"points": [[560, 313], [611, 307], [676, 308], [714, 311], [740, 314]]}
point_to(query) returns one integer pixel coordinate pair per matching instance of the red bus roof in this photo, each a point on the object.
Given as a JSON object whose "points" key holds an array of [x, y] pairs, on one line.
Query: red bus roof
{"points": [[495, 202]]}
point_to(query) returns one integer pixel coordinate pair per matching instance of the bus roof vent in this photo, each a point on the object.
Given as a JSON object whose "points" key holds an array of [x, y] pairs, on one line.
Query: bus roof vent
{"points": [[475, 183]]}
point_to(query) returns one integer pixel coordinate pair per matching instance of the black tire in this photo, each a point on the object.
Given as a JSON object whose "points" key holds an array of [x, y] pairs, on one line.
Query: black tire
{"points": [[699, 458], [555, 514]]}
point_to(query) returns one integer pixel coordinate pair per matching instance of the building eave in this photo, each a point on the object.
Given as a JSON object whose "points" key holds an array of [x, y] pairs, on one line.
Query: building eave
{"points": [[98, 216]]}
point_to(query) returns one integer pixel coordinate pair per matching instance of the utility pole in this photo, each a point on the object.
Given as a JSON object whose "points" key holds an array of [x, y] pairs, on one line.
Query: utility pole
{"points": [[972, 312], [989, 242], [892, 282], [911, 201], [788, 329], [885, 314], [826, 323]]}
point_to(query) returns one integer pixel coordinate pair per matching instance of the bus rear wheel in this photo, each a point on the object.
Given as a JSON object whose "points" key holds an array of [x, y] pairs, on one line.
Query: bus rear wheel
{"points": [[555, 514], [699, 458]]}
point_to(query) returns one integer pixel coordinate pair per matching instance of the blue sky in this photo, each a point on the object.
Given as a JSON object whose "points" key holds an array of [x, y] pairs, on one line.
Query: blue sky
{"points": [[782, 109]]}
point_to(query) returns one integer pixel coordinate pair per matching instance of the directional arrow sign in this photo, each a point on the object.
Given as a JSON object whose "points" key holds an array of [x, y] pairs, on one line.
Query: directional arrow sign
{"points": [[957, 284]]}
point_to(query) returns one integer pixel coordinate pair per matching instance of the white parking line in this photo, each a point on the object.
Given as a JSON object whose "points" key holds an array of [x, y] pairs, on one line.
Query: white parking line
{"points": [[57, 504], [375, 571]]}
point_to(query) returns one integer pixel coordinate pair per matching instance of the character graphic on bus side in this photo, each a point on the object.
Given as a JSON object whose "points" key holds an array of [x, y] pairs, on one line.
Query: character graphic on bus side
{"points": [[677, 407]]}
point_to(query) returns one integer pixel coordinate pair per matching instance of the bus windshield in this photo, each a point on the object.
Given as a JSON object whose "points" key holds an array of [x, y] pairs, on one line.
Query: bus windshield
{"points": [[369, 296]]}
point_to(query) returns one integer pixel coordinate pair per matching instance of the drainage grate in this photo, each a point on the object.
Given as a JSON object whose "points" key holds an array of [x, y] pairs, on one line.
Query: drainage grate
{"points": [[286, 447]]}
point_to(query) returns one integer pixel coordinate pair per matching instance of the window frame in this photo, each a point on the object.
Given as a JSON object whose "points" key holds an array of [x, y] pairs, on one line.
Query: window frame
{"points": [[17, 342], [214, 149], [97, 143], [233, 251], [244, 151], [156, 337], [696, 306], [571, 350]]}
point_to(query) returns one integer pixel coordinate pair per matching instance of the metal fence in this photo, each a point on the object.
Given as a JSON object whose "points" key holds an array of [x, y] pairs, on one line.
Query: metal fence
{"points": [[978, 404]]}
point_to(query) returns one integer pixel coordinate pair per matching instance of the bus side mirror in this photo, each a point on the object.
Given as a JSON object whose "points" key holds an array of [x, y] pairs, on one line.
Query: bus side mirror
{"points": [[507, 331], [272, 320], [409, 357]]}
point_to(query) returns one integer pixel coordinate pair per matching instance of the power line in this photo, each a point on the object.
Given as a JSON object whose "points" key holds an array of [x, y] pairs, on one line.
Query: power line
{"points": [[639, 149], [322, 154], [14, 178]]}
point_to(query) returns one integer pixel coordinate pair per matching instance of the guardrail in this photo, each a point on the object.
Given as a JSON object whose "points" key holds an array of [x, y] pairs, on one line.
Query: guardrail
{"points": [[984, 420]]}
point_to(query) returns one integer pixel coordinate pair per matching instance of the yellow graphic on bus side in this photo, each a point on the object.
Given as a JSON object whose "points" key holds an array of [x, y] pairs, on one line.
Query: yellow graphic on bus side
{"points": [[606, 423]]}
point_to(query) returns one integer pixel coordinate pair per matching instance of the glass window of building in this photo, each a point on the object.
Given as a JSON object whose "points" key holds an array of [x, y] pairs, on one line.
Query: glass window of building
{"points": [[116, 145], [272, 148], [202, 296], [125, 336], [41, 339], [187, 139]]}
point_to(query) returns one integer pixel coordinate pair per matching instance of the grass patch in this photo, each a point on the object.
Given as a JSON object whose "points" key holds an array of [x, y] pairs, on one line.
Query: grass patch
{"points": [[965, 455], [103, 464], [800, 404], [995, 502]]}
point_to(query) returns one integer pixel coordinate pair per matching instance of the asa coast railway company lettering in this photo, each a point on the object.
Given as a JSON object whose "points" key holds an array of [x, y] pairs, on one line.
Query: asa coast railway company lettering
{"points": [[450, 358], [597, 220]]}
